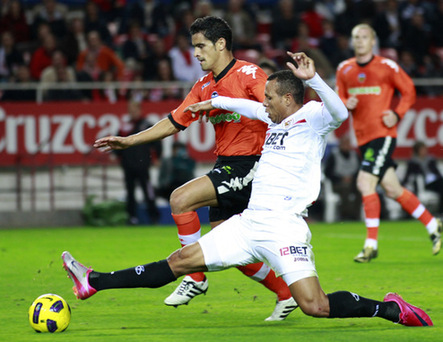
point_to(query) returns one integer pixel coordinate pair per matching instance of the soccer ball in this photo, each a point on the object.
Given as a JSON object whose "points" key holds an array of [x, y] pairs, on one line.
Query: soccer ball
{"points": [[49, 313]]}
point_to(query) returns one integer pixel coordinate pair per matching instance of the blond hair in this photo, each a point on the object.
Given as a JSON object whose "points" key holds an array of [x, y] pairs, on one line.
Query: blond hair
{"points": [[364, 26]]}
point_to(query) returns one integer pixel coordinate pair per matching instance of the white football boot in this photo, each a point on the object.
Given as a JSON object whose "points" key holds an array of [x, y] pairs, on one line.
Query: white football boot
{"points": [[282, 309], [188, 289]]}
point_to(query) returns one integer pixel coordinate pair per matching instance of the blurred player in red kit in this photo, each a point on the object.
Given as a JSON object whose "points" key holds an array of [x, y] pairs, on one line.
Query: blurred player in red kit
{"points": [[366, 84]]}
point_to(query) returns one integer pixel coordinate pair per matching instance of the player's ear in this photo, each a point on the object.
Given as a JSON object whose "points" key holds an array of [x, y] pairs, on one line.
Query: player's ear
{"points": [[221, 44], [288, 99], [351, 43]]}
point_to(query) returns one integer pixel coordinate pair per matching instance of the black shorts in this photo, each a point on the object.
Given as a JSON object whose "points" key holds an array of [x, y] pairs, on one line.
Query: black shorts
{"points": [[232, 180], [377, 156]]}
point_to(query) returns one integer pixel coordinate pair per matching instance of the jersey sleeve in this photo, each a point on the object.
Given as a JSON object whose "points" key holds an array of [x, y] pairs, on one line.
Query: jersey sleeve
{"points": [[178, 116], [251, 109], [404, 84], [340, 87], [332, 111]]}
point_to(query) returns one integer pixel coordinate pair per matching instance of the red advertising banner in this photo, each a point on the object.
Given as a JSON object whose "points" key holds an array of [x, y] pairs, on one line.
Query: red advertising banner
{"points": [[422, 122], [63, 133]]}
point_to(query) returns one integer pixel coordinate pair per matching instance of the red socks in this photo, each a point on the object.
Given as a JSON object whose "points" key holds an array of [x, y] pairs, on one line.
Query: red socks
{"points": [[412, 205], [408, 201], [264, 275], [372, 207], [189, 231]]}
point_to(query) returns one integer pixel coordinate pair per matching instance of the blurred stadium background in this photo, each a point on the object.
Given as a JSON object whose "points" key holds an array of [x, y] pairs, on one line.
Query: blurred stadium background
{"points": [[56, 97]]}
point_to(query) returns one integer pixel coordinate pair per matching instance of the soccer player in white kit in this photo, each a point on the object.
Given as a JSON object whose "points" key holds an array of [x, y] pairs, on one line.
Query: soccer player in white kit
{"points": [[272, 229]]}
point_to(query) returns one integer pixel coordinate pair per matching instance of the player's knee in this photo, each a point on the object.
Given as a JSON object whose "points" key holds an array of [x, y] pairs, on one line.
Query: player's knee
{"points": [[365, 186], [392, 191], [362, 187], [187, 259], [175, 264], [361, 184], [316, 307], [178, 202], [178, 262]]}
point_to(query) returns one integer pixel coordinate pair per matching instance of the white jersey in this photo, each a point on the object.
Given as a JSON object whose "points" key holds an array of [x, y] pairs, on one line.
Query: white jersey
{"points": [[289, 172]]}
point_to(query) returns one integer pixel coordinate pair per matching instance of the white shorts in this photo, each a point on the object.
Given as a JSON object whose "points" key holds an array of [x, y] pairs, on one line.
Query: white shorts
{"points": [[282, 241]]}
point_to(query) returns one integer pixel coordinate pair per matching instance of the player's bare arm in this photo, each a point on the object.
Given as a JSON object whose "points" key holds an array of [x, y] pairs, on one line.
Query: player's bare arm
{"points": [[389, 118], [304, 69], [160, 130]]}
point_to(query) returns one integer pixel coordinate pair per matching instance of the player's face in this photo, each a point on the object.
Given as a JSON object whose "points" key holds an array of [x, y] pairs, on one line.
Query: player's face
{"points": [[205, 51], [134, 110], [274, 103], [362, 41]]}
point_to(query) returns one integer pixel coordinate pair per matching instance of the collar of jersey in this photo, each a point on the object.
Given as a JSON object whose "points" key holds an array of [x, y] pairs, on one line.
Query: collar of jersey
{"points": [[225, 71], [364, 64], [292, 119]]}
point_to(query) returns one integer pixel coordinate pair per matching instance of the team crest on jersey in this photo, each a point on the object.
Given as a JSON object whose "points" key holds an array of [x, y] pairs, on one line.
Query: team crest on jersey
{"points": [[361, 77], [214, 94], [205, 85], [288, 123], [292, 122], [248, 70]]}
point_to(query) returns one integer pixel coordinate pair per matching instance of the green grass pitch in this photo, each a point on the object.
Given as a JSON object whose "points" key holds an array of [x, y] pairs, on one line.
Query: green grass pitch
{"points": [[234, 307]]}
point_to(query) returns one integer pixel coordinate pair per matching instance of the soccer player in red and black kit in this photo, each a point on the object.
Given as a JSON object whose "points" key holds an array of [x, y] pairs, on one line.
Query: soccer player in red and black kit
{"points": [[226, 188], [366, 84]]}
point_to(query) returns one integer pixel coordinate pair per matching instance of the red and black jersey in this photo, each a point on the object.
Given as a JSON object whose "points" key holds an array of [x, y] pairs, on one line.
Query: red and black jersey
{"points": [[235, 135], [374, 85]]}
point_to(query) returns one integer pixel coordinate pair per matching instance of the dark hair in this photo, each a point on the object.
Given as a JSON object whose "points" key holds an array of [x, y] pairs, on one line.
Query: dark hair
{"points": [[417, 146], [213, 28], [178, 144], [269, 64], [288, 83]]}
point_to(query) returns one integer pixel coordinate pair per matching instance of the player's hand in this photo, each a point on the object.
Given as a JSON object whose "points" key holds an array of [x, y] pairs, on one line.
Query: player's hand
{"points": [[112, 143], [304, 68], [201, 109], [389, 118], [352, 102]]}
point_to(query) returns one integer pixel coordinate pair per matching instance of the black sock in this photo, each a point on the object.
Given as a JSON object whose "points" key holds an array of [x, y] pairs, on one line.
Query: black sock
{"points": [[151, 275], [344, 304]]}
